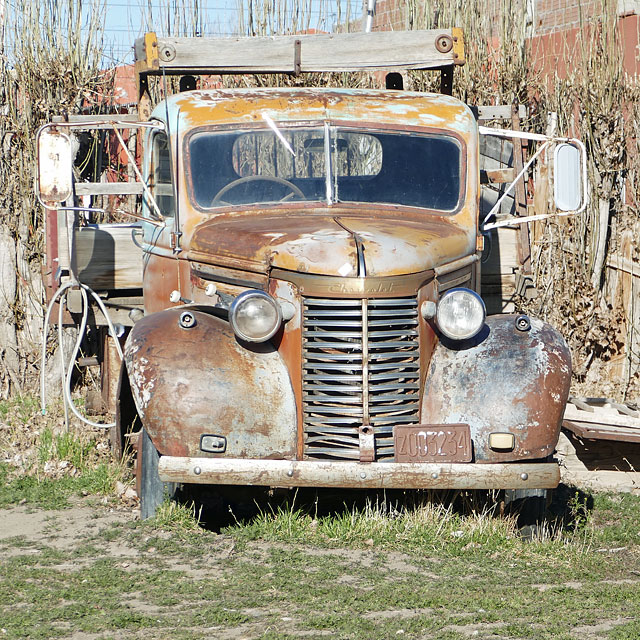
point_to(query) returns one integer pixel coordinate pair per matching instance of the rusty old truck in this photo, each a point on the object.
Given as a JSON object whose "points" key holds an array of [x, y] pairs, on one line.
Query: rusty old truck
{"points": [[299, 297]]}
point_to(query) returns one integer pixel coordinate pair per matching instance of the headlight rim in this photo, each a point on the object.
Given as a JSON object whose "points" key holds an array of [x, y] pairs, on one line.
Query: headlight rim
{"points": [[444, 330], [242, 298]]}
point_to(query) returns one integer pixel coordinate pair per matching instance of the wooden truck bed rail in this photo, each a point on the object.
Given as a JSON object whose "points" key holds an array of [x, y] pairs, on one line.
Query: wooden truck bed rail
{"points": [[433, 49]]}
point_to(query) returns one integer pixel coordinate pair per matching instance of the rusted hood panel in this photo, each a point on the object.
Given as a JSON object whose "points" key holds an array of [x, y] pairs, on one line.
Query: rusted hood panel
{"points": [[324, 243]]}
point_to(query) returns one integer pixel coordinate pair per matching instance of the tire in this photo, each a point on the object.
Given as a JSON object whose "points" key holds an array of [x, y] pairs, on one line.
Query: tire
{"points": [[152, 490], [530, 508]]}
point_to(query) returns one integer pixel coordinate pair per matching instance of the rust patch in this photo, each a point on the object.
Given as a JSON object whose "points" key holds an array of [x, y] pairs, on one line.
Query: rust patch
{"points": [[187, 382], [502, 380], [314, 242]]}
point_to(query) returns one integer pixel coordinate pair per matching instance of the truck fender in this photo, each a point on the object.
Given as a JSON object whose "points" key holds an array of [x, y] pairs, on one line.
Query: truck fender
{"points": [[194, 379], [513, 377]]}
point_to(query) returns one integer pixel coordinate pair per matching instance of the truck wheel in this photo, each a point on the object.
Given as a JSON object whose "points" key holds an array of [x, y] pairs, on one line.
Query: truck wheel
{"points": [[530, 508], [152, 490]]}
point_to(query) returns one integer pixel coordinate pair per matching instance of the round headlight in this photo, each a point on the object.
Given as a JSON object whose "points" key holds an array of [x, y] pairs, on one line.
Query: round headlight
{"points": [[461, 314], [255, 316]]}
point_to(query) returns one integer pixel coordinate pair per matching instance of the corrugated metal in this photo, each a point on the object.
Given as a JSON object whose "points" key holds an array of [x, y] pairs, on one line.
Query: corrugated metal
{"points": [[358, 372]]}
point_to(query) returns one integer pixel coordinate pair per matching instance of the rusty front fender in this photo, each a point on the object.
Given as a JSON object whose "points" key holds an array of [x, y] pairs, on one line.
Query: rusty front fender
{"points": [[504, 380], [198, 381]]}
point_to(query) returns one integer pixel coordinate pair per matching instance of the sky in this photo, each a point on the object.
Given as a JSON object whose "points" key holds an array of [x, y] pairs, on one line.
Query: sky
{"points": [[125, 21]]}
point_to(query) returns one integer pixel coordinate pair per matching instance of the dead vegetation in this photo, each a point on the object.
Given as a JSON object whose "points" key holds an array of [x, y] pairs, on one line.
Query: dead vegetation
{"points": [[585, 267], [50, 64]]}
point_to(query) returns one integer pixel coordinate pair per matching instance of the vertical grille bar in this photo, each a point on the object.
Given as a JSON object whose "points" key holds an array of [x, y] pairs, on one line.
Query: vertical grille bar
{"points": [[365, 367], [360, 366]]}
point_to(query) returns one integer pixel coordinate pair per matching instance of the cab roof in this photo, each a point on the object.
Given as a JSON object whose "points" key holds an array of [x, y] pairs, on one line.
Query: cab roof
{"points": [[385, 107]]}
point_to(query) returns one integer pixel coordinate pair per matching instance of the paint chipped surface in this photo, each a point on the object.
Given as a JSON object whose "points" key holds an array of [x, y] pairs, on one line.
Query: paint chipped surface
{"points": [[503, 381], [315, 242], [187, 383], [299, 104]]}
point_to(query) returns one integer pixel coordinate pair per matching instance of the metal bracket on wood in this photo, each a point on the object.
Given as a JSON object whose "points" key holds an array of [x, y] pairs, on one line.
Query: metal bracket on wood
{"points": [[446, 81], [297, 57]]}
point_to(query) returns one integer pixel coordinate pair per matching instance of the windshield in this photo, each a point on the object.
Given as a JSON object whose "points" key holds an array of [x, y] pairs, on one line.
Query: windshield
{"points": [[326, 164]]}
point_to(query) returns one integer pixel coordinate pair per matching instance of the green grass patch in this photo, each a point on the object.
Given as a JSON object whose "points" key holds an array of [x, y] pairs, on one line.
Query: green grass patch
{"points": [[383, 568], [39, 490], [357, 574], [19, 409]]}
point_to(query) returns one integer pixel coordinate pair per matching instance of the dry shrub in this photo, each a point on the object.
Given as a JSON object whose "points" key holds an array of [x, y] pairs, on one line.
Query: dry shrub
{"points": [[51, 65], [592, 303]]}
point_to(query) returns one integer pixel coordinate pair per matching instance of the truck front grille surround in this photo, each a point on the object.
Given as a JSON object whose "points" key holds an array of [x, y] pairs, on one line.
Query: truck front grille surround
{"points": [[361, 367]]}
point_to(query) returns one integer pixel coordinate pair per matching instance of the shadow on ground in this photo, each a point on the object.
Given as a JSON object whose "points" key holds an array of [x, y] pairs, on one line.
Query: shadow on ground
{"points": [[565, 508]]}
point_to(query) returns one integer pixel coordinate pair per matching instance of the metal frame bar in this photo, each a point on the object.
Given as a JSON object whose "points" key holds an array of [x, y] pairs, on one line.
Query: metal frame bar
{"points": [[357, 475]]}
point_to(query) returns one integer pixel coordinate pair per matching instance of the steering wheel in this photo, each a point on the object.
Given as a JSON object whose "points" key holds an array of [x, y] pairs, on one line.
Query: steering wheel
{"points": [[232, 185]]}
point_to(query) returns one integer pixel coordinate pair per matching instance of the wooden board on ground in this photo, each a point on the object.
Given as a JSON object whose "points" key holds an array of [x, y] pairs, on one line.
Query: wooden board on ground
{"points": [[598, 465], [602, 419]]}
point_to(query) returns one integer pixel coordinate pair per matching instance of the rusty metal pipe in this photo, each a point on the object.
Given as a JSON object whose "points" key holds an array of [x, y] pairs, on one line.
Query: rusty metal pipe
{"points": [[397, 475]]}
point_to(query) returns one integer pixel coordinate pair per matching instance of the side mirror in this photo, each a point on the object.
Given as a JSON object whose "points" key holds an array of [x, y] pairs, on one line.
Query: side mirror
{"points": [[569, 188], [55, 166]]}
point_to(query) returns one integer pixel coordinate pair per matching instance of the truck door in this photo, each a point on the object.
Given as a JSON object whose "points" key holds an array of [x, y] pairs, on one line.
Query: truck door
{"points": [[161, 265]]}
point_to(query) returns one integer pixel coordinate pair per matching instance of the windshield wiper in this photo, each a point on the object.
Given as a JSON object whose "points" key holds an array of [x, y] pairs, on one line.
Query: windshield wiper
{"points": [[277, 131]]}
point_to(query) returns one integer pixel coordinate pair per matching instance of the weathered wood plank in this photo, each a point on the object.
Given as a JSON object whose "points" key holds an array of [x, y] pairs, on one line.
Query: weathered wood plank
{"points": [[604, 416], [107, 257], [597, 432], [497, 112], [99, 117], [317, 53], [108, 188], [503, 256]]}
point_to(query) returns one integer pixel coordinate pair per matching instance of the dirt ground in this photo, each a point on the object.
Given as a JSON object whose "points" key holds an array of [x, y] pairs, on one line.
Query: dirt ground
{"points": [[276, 617]]}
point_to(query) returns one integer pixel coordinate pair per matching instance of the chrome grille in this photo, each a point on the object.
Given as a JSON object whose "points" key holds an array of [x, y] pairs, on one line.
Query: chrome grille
{"points": [[360, 367]]}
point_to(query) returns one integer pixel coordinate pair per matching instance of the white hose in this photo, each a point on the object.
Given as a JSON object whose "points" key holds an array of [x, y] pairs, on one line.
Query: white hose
{"points": [[60, 295]]}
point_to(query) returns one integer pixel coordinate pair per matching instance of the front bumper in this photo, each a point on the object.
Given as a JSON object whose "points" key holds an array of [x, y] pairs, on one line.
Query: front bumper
{"points": [[357, 475]]}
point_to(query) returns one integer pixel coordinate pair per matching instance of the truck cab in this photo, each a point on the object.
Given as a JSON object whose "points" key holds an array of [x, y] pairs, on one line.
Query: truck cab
{"points": [[311, 302]]}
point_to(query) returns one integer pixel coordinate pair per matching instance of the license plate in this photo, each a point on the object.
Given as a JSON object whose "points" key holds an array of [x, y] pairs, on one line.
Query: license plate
{"points": [[432, 443]]}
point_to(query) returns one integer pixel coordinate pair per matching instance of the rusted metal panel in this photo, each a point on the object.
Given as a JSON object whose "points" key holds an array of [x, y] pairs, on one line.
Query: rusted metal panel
{"points": [[239, 106], [315, 243], [504, 380], [370, 287], [159, 279], [190, 382], [394, 475], [289, 343]]}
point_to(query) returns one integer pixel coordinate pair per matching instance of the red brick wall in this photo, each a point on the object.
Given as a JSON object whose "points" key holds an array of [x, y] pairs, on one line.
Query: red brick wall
{"points": [[554, 30], [562, 15], [548, 15], [391, 15]]}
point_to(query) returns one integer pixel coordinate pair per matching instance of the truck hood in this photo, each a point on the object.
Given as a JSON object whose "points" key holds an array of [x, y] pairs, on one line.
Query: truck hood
{"points": [[327, 244]]}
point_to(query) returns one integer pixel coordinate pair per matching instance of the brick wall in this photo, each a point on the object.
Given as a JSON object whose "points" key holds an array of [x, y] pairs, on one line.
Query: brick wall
{"points": [[562, 15], [391, 15], [546, 16]]}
